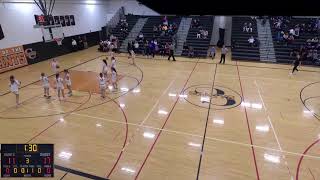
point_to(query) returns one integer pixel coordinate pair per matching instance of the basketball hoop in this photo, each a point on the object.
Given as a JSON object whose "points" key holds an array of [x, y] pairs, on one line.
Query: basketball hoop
{"points": [[58, 40]]}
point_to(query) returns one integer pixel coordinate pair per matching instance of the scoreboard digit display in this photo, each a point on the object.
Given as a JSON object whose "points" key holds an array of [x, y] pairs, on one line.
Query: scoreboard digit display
{"points": [[27, 160]]}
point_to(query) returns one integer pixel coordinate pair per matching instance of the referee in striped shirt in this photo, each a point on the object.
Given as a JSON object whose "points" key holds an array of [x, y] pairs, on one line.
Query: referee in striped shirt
{"points": [[224, 51]]}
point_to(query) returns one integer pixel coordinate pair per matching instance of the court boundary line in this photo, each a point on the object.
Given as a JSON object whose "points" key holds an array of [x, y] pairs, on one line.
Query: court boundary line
{"points": [[126, 136], [248, 125], [191, 61], [158, 135], [78, 173], [303, 155], [206, 125], [273, 130]]}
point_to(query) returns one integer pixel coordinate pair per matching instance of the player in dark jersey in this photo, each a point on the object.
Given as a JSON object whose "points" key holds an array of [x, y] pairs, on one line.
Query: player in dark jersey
{"points": [[296, 63]]}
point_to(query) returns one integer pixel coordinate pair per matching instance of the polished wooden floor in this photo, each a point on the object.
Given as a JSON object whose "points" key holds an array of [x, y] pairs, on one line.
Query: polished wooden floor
{"points": [[261, 122]]}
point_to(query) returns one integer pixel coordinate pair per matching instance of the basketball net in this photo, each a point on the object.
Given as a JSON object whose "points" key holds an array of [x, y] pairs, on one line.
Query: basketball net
{"points": [[58, 40]]}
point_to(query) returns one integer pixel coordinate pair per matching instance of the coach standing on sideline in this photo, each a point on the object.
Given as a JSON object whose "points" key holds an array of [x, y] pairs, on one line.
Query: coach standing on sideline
{"points": [[224, 51], [171, 53]]}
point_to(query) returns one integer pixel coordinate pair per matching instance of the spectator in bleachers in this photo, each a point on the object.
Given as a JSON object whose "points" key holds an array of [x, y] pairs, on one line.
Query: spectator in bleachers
{"points": [[199, 34], [155, 30], [251, 41], [165, 21], [292, 32], [249, 28], [297, 30], [290, 39], [136, 47], [205, 34], [245, 26], [140, 37], [285, 38], [191, 52]]}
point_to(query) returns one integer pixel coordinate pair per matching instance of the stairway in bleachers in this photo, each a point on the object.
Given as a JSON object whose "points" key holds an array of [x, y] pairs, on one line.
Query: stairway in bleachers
{"points": [[200, 46], [243, 51], [133, 33], [132, 20], [266, 48], [282, 51]]}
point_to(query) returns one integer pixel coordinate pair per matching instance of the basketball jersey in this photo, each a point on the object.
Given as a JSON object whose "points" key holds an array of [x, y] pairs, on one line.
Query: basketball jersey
{"points": [[102, 82], [104, 68], [45, 81], [113, 63], [67, 79], [14, 87], [114, 76], [59, 82]]}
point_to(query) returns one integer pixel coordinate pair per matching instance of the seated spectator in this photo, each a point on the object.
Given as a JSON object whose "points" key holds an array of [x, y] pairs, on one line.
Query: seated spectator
{"points": [[290, 39], [292, 32], [205, 34], [249, 28], [140, 36], [155, 29], [191, 52], [285, 37], [199, 34], [244, 28], [297, 30], [251, 41]]}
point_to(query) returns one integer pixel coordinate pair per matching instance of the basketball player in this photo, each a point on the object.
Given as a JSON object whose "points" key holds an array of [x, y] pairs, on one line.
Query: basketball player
{"points": [[113, 62], [114, 78], [67, 79], [102, 85], [296, 64], [45, 84], [54, 66], [14, 88], [132, 56], [105, 68], [59, 85]]}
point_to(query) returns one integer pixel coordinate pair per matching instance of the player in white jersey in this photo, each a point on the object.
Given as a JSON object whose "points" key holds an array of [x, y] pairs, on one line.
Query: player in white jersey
{"points": [[14, 88], [113, 62], [45, 84], [59, 86], [132, 56], [105, 68], [102, 85], [54, 66], [114, 78], [67, 80]]}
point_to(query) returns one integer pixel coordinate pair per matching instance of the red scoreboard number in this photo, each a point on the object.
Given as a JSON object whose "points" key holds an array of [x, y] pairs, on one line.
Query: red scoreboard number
{"points": [[27, 160]]}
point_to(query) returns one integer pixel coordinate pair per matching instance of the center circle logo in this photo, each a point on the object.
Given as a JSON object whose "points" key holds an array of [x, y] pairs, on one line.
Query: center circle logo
{"points": [[221, 97]]}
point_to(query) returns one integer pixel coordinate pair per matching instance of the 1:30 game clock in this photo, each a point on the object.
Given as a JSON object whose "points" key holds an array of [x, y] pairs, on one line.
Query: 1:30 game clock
{"points": [[27, 160]]}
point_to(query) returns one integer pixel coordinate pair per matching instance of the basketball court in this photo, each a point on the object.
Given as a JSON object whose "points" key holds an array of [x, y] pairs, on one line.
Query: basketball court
{"points": [[190, 119]]}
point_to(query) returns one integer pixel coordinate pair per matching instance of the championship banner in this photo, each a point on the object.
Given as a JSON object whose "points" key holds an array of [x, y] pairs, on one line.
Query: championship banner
{"points": [[12, 58]]}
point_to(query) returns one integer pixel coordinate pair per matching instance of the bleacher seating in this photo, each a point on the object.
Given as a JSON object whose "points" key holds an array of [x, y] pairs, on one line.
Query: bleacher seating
{"points": [[131, 20], [201, 45], [281, 50], [147, 29], [243, 51]]}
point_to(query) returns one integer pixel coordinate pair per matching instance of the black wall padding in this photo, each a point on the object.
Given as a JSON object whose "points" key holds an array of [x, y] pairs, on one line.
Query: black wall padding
{"points": [[221, 37], [50, 50], [1, 33]]}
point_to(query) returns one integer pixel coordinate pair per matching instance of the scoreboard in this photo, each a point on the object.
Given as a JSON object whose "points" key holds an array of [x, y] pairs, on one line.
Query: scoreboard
{"points": [[27, 160]]}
